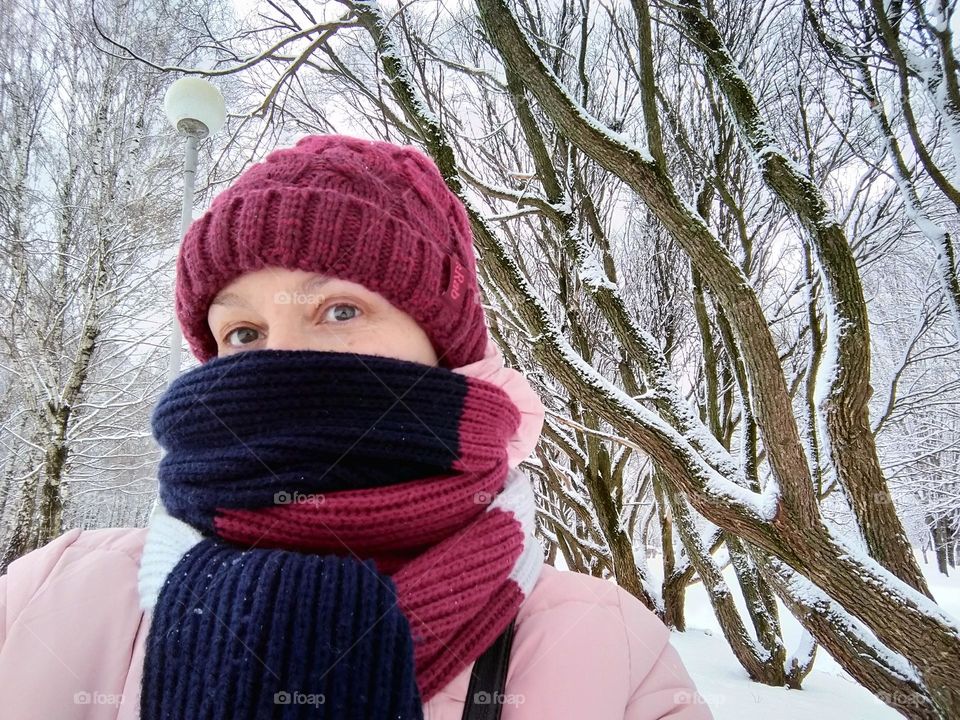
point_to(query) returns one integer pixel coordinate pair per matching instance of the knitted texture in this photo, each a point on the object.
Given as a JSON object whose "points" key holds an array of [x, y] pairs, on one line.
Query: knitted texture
{"points": [[358, 466], [266, 634], [369, 212]]}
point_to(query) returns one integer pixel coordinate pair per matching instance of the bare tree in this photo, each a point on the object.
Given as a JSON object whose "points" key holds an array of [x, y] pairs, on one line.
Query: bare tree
{"points": [[88, 216], [681, 219]]}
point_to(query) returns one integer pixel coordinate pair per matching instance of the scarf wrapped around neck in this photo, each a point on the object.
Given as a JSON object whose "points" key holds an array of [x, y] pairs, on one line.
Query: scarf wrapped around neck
{"points": [[340, 535]]}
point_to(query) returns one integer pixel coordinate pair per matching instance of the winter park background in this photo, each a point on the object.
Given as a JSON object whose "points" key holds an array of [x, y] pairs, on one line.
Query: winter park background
{"points": [[718, 237]]}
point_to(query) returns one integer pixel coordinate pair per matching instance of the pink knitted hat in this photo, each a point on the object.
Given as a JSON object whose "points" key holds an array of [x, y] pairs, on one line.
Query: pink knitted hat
{"points": [[365, 211]]}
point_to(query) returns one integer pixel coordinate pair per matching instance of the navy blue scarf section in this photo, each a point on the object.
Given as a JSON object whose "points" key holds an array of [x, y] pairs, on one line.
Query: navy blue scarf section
{"points": [[241, 428], [258, 634], [253, 633]]}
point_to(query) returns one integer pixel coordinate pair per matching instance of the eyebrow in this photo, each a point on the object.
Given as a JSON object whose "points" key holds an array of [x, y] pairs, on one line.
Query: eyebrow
{"points": [[314, 282], [230, 299]]}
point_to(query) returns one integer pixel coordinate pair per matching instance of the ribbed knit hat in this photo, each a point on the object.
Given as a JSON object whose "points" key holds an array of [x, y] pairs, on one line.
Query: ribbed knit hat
{"points": [[366, 211]]}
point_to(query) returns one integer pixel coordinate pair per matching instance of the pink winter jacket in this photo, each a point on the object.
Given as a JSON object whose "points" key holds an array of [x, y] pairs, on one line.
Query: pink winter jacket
{"points": [[72, 638]]}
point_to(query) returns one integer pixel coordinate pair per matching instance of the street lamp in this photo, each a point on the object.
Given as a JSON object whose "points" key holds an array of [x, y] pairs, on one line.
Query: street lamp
{"points": [[196, 109]]}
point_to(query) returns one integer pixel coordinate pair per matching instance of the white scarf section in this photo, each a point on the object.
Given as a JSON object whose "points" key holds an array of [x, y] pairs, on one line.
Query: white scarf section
{"points": [[168, 540]]}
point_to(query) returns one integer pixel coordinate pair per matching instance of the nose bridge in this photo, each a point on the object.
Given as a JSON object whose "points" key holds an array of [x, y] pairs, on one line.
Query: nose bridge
{"points": [[285, 340], [289, 331], [285, 333]]}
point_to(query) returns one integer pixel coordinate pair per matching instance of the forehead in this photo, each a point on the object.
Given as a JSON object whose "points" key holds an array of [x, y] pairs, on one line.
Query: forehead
{"points": [[239, 291], [250, 286]]}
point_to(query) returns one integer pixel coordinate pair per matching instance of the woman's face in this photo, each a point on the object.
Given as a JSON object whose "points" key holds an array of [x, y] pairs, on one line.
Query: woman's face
{"points": [[279, 309]]}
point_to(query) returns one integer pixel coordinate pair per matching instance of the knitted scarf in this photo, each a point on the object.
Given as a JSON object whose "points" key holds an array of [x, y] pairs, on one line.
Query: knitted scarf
{"points": [[340, 536]]}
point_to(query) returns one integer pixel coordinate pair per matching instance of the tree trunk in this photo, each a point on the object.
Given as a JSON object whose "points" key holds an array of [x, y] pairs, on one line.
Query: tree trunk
{"points": [[759, 663], [23, 539], [674, 581], [941, 543], [852, 445], [621, 548], [869, 663], [761, 602]]}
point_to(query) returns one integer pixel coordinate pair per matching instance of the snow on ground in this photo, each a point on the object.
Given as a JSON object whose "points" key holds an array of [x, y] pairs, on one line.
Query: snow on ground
{"points": [[826, 695], [829, 693]]}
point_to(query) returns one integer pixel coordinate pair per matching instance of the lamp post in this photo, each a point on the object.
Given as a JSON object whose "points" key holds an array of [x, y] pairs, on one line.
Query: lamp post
{"points": [[196, 109]]}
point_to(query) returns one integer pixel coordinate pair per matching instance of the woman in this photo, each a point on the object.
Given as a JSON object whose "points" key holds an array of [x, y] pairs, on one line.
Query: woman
{"points": [[342, 528]]}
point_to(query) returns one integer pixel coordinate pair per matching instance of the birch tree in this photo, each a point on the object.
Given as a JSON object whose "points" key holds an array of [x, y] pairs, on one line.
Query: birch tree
{"points": [[89, 215]]}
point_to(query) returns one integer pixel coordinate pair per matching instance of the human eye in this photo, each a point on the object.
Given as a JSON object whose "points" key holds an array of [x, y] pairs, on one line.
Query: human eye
{"points": [[341, 312], [245, 335]]}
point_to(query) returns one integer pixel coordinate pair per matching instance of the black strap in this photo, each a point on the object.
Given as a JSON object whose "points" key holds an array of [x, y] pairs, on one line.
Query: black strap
{"points": [[488, 679]]}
